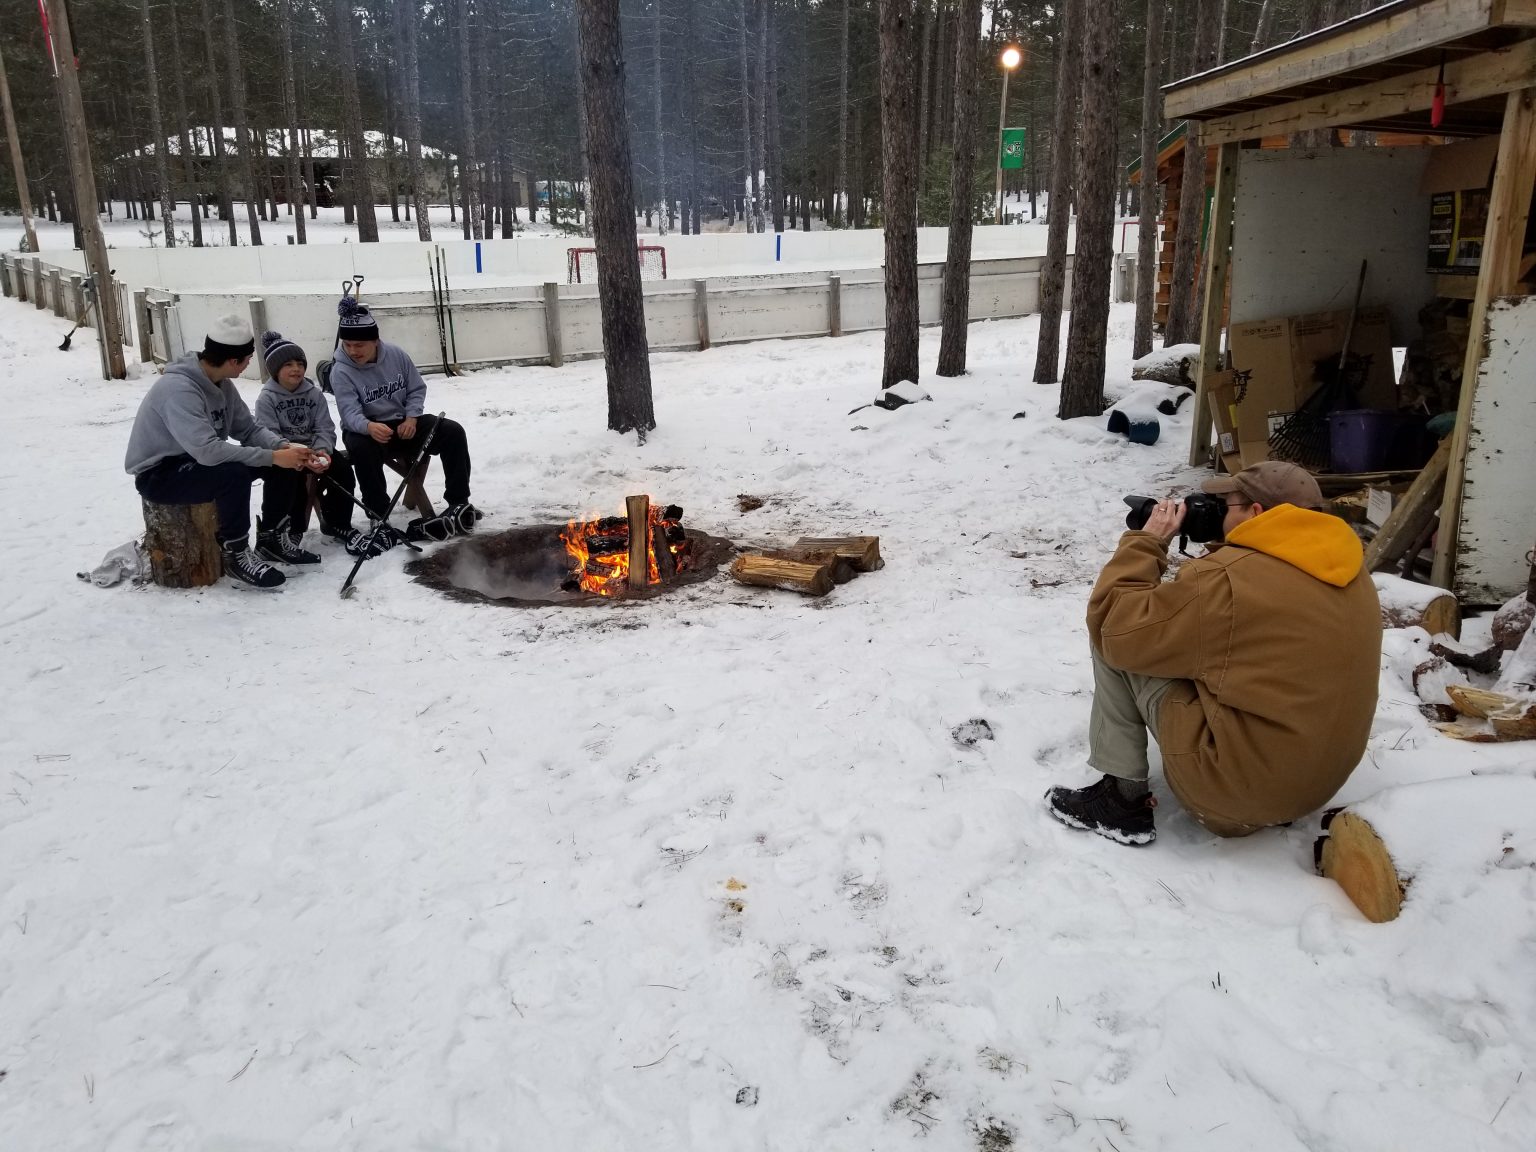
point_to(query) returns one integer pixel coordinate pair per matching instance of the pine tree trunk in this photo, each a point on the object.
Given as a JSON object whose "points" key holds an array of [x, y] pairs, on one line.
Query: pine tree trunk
{"points": [[664, 212], [807, 188], [1082, 385], [957, 263], [226, 199], [755, 42], [840, 193], [925, 82], [485, 147], [898, 138], [242, 127], [470, 170], [626, 356], [1053, 273], [183, 122], [1261, 31], [1151, 129], [411, 67], [775, 137], [360, 179], [1180, 328], [391, 175], [156, 127], [694, 210], [296, 196]]}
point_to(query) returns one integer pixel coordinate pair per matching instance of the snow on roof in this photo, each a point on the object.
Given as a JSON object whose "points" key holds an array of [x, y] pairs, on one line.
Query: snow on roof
{"points": [[323, 143]]}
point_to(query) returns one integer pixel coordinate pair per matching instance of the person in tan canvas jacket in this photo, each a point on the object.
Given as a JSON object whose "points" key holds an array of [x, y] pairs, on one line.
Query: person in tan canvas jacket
{"points": [[1255, 668]]}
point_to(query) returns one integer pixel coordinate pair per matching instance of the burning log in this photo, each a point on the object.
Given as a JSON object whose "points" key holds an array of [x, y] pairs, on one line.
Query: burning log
{"points": [[862, 551], [790, 575], [639, 508], [661, 549]]}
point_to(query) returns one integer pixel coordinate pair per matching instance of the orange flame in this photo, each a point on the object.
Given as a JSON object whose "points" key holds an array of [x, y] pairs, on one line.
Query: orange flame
{"points": [[606, 572]]}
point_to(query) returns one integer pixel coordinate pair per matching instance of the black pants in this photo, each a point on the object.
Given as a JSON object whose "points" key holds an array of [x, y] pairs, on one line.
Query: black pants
{"points": [[182, 480], [285, 492], [449, 445]]}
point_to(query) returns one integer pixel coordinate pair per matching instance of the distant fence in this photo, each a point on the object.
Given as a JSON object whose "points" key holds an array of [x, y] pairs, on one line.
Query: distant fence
{"points": [[61, 288]]}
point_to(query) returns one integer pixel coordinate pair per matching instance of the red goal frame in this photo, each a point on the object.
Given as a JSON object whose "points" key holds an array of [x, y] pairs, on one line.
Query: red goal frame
{"points": [[573, 261]]}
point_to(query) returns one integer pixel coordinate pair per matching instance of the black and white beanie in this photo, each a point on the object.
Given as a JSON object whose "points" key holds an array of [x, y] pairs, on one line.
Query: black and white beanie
{"points": [[357, 323], [277, 350], [228, 338]]}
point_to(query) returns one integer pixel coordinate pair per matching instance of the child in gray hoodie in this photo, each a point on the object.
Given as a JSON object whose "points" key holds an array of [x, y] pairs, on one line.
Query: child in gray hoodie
{"points": [[292, 405]]}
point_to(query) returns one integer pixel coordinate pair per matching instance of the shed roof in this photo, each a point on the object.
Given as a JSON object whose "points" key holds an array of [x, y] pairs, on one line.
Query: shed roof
{"points": [[1389, 52]]}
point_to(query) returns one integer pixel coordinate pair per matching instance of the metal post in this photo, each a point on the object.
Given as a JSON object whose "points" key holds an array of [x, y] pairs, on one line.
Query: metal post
{"points": [[701, 312], [1002, 116], [835, 305], [552, 324]]}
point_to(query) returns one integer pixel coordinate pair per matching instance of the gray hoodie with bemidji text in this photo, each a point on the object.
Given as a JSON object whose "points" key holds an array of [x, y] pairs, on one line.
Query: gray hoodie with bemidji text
{"points": [[300, 417], [186, 414]]}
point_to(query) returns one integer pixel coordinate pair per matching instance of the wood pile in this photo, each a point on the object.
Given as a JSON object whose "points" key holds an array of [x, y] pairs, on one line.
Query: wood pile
{"points": [[810, 566]]}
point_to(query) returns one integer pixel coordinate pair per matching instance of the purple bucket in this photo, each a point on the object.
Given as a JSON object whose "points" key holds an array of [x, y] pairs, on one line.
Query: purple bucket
{"points": [[1360, 438]]}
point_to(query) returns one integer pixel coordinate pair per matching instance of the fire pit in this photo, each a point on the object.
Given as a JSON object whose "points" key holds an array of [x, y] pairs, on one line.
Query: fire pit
{"points": [[577, 563]]}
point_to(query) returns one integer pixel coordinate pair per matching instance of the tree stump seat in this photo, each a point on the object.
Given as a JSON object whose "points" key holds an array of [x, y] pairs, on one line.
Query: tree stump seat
{"points": [[183, 544]]}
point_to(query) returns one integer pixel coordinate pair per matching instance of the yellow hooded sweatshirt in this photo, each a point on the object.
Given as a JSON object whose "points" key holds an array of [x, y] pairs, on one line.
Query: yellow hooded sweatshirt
{"points": [[1278, 636]]}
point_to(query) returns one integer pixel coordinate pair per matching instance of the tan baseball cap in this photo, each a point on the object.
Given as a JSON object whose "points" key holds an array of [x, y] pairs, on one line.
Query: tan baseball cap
{"points": [[1270, 483]]}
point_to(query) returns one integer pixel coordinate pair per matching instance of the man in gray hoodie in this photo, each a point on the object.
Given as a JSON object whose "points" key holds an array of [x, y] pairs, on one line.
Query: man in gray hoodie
{"points": [[380, 396], [179, 451]]}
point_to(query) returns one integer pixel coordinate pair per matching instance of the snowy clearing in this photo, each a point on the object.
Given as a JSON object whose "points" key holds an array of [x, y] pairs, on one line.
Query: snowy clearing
{"points": [[279, 871]]}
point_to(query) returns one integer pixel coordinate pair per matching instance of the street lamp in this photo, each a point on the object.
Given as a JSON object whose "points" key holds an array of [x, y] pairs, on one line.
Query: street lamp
{"points": [[1010, 59]]}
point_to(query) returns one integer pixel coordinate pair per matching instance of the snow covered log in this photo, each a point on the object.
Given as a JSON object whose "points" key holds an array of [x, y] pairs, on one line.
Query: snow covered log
{"points": [[790, 575], [1168, 365], [1430, 844], [183, 545], [1513, 621], [1405, 604], [862, 551]]}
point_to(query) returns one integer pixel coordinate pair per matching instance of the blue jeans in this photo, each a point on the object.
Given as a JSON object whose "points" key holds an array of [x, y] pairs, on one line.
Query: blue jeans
{"points": [[182, 480]]}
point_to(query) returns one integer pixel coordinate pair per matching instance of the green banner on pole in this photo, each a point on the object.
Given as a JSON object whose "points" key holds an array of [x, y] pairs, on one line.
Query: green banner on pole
{"points": [[1013, 148]]}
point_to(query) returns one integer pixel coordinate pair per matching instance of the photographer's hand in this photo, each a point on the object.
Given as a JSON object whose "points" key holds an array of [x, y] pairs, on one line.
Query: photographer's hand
{"points": [[1166, 519]]}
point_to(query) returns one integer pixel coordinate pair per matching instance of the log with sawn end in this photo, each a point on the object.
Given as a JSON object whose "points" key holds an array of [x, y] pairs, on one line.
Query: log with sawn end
{"points": [[790, 575], [862, 551]]}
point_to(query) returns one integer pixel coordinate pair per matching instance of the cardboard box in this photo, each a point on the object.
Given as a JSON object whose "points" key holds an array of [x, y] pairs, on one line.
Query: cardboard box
{"points": [[1457, 179], [1221, 395], [1275, 362]]}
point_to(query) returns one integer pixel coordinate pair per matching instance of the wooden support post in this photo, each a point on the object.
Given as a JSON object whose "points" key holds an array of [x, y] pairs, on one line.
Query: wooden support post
{"points": [[1509, 203], [701, 312], [1413, 512], [835, 306], [77, 298], [639, 509], [182, 542], [5, 275], [56, 290], [77, 144], [552, 324], [18, 166], [19, 279], [1212, 318], [258, 307], [39, 284], [141, 325]]}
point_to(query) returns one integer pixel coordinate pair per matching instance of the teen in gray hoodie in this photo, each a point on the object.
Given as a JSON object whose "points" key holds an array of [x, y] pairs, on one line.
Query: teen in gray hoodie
{"points": [[179, 451], [292, 405], [381, 397]]}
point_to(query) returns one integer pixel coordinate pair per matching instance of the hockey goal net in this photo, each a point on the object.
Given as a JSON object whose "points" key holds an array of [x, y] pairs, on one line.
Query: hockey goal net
{"points": [[581, 264]]}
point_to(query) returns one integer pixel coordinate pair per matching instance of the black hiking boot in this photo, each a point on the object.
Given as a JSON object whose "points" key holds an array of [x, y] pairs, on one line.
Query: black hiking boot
{"points": [[278, 544], [1101, 808], [241, 564]]}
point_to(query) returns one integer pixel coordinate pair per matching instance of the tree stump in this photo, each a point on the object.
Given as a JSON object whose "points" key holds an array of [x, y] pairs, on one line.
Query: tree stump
{"points": [[183, 545]]}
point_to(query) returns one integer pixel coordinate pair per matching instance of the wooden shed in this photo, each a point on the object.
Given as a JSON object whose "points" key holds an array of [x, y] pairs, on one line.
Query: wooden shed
{"points": [[1289, 228]]}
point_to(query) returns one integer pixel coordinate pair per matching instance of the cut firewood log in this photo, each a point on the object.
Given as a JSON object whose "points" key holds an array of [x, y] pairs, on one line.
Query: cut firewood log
{"points": [[863, 551], [1485, 660], [1438, 843], [790, 575], [1512, 622], [666, 562], [639, 509], [1478, 702], [1405, 604], [183, 545], [843, 569], [1353, 856]]}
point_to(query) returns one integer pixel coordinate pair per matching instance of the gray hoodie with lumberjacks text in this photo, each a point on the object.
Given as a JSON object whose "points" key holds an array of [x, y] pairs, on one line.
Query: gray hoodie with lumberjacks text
{"points": [[300, 417], [387, 391], [186, 414]]}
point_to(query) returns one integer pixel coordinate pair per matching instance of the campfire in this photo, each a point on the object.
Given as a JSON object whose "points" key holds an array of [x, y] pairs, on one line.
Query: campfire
{"points": [[615, 555]]}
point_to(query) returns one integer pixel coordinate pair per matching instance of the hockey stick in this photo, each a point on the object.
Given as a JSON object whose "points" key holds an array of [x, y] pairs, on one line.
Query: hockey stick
{"points": [[421, 454], [437, 310], [453, 340]]}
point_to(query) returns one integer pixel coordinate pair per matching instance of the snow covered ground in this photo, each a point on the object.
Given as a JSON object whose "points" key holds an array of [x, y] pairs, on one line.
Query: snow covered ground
{"points": [[704, 872]]}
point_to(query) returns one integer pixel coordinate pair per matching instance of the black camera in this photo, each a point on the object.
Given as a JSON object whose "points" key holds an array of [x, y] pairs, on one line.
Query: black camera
{"points": [[1203, 517]]}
